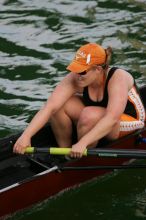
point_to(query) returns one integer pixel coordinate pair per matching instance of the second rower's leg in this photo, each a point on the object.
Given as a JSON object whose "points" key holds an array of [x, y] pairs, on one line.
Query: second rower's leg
{"points": [[61, 122]]}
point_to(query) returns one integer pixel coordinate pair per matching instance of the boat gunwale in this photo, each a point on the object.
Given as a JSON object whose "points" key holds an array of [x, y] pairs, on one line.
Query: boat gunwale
{"points": [[52, 169]]}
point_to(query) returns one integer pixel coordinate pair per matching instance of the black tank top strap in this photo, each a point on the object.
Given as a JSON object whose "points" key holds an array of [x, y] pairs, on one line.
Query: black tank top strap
{"points": [[110, 74]]}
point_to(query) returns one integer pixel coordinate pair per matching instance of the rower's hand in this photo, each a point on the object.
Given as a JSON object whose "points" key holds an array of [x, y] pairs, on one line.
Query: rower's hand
{"points": [[77, 150], [21, 144]]}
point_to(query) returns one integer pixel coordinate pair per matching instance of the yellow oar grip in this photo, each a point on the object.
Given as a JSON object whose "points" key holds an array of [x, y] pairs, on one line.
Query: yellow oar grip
{"points": [[59, 151], [29, 150], [63, 151]]}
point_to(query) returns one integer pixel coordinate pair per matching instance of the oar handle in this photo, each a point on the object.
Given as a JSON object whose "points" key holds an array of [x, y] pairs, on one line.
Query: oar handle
{"points": [[99, 152], [51, 150], [31, 150]]}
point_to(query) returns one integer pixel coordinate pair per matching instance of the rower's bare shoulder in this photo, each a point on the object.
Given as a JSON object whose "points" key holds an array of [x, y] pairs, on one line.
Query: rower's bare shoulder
{"points": [[70, 80], [63, 91], [122, 75]]}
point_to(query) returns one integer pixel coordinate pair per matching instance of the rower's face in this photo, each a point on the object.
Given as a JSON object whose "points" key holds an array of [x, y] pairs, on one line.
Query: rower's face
{"points": [[86, 78]]}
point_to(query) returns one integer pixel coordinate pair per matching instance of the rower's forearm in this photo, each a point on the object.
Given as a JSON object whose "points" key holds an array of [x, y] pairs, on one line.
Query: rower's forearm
{"points": [[100, 130], [39, 120]]}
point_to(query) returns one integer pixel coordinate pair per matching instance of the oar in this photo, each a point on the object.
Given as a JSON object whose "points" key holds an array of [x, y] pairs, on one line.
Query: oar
{"points": [[99, 152], [104, 167]]}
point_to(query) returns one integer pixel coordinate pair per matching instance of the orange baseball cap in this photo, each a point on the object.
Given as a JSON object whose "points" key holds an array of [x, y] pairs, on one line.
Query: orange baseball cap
{"points": [[87, 56]]}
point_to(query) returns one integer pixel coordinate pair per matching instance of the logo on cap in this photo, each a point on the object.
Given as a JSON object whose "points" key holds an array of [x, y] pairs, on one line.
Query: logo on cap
{"points": [[80, 54]]}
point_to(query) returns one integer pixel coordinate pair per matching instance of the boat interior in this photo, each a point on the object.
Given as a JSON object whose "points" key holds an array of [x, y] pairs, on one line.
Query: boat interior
{"points": [[16, 168]]}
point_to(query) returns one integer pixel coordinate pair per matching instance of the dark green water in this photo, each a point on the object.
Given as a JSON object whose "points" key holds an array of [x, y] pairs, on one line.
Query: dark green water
{"points": [[118, 196], [37, 41]]}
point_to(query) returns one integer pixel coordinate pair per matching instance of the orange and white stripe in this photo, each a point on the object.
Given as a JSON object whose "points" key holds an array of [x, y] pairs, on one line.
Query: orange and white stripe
{"points": [[129, 123]]}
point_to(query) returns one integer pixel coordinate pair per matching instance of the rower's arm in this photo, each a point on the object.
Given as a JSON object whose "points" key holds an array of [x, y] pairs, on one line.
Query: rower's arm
{"points": [[118, 93], [60, 95]]}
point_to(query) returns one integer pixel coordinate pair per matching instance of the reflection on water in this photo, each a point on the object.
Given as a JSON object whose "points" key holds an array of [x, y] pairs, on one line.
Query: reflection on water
{"points": [[141, 205]]}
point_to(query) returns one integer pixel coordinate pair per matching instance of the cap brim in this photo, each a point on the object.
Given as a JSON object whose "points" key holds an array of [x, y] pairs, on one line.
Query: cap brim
{"points": [[76, 67]]}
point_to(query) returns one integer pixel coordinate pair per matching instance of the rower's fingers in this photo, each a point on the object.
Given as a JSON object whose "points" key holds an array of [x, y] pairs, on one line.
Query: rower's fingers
{"points": [[21, 144], [15, 148], [18, 148], [76, 154]]}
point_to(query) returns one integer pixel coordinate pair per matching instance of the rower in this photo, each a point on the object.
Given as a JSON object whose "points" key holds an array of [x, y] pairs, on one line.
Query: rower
{"points": [[100, 100]]}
